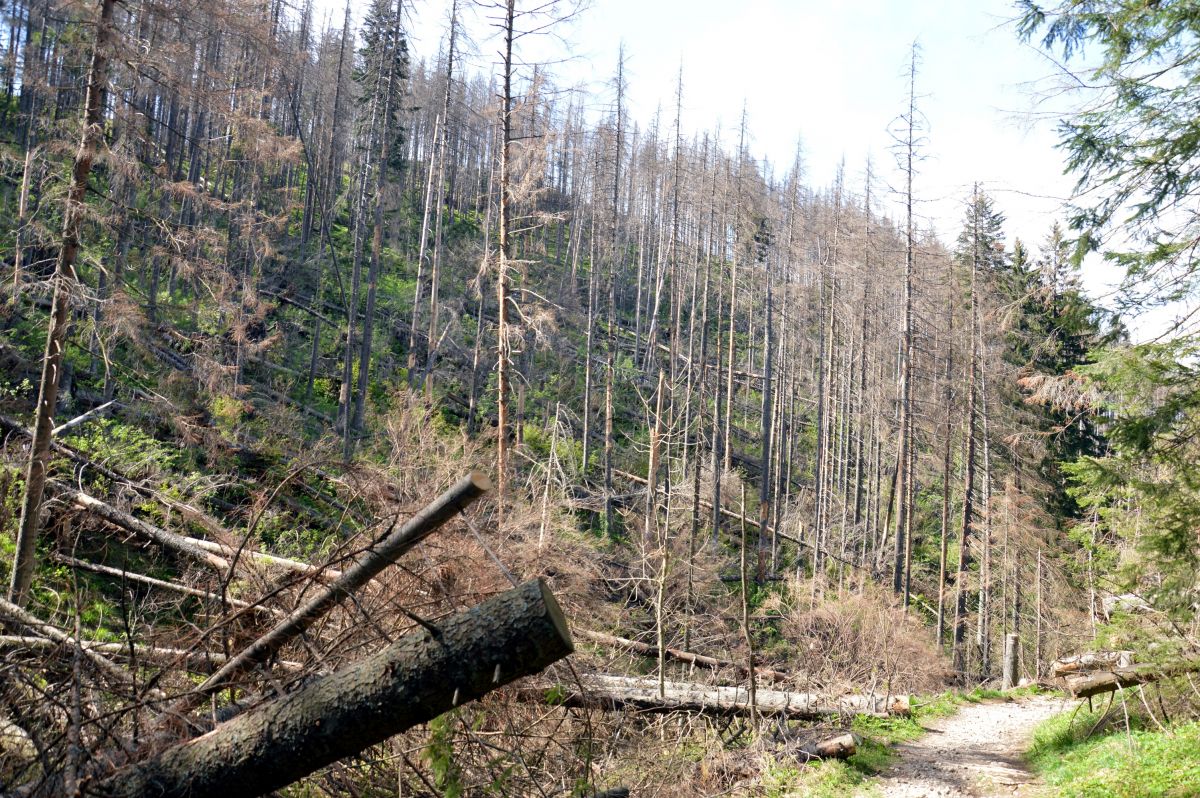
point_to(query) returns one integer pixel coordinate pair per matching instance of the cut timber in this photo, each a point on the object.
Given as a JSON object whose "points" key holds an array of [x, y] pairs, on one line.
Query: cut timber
{"points": [[843, 746], [414, 680], [1086, 685], [1012, 661], [380, 555], [641, 694], [691, 658], [1091, 661]]}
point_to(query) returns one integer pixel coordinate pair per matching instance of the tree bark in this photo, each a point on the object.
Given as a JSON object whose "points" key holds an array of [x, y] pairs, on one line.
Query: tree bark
{"points": [[56, 337], [843, 746], [424, 674], [1012, 643], [1086, 685], [1091, 661], [642, 694]]}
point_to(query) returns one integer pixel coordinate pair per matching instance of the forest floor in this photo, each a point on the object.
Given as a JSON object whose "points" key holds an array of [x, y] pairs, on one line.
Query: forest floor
{"points": [[977, 752]]}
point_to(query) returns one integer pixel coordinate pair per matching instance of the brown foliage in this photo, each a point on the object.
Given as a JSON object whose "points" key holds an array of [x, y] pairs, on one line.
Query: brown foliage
{"points": [[865, 640]]}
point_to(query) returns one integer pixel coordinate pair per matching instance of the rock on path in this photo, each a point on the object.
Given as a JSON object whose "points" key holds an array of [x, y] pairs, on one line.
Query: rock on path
{"points": [[973, 754]]}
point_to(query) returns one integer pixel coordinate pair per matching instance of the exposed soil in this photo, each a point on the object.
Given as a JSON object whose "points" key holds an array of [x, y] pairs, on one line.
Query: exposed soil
{"points": [[973, 754]]}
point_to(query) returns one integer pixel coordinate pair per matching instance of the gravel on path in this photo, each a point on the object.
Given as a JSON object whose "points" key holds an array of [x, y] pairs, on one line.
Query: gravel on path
{"points": [[977, 753]]}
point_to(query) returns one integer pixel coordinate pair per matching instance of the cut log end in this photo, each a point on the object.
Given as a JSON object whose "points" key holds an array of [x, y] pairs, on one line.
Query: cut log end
{"points": [[843, 746], [555, 614], [480, 481]]}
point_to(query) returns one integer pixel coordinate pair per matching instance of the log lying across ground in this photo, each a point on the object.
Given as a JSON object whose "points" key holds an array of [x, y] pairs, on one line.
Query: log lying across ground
{"points": [[678, 654], [195, 661], [419, 677], [1086, 685], [14, 617], [162, 584], [843, 746], [192, 547], [605, 691], [206, 552], [1091, 661], [148, 532]]}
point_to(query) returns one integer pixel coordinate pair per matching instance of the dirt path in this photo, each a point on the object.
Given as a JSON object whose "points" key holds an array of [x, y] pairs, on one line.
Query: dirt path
{"points": [[976, 753]]}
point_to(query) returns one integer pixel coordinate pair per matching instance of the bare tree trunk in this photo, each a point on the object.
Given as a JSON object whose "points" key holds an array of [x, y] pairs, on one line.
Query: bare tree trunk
{"points": [[590, 349], [745, 619], [440, 148], [968, 511], [503, 288], [904, 459], [984, 630], [65, 279], [947, 461]]}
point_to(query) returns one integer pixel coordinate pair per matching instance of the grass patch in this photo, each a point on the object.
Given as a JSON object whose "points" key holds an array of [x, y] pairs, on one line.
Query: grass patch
{"points": [[1142, 764], [827, 779]]}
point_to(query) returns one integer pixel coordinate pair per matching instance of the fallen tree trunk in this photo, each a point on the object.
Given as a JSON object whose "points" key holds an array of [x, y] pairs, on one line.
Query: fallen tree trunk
{"points": [[843, 746], [678, 654], [85, 418], [195, 661], [119, 518], [419, 677], [1091, 661], [1086, 685], [162, 584], [606, 691], [380, 555], [206, 552], [213, 527], [262, 558], [17, 617]]}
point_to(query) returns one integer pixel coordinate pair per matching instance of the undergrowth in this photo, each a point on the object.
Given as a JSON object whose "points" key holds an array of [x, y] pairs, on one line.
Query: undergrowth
{"points": [[1141, 761]]}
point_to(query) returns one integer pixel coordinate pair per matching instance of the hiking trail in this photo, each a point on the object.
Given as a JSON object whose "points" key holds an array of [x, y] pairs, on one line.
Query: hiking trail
{"points": [[976, 753]]}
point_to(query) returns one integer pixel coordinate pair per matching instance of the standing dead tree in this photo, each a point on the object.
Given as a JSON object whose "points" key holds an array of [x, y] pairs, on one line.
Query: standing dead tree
{"points": [[64, 279]]}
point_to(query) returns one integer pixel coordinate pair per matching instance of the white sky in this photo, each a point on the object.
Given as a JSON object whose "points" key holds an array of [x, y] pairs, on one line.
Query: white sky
{"points": [[833, 76]]}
